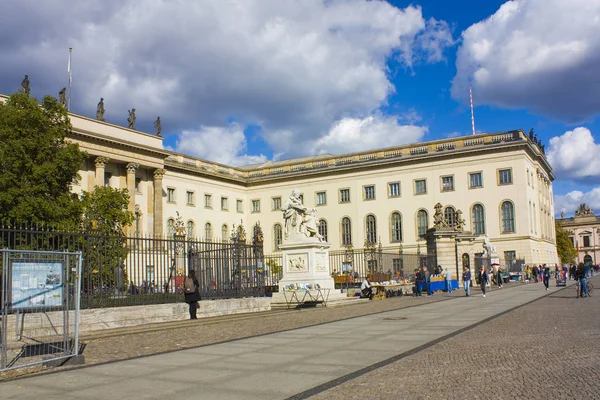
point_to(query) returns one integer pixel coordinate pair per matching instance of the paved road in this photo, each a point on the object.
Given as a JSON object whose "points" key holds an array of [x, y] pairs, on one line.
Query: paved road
{"points": [[281, 365]]}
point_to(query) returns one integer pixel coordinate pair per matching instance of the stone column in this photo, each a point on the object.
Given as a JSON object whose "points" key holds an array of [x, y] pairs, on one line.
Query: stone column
{"points": [[158, 202], [100, 163], [131, 169]]}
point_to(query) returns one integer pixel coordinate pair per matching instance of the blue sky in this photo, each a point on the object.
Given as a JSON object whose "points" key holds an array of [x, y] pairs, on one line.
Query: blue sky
{"points": [[259, 80]]}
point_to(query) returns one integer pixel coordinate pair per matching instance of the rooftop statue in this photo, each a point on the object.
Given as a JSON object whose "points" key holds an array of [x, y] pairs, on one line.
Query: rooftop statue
{"points": [[25, 84], [100, 110], [62, 97], [131, 118], [158, 126], [583, 210], [300, 220]]}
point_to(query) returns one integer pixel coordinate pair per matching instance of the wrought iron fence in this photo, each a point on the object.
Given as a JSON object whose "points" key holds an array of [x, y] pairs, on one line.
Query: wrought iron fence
{"points": [[122, 271]]}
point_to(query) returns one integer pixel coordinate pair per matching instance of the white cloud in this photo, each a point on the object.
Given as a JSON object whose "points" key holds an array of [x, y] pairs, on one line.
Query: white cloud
{"points": [[354, 134], [294, 67], [226, 145], [536, 54], [569, 202], [574, 155]]}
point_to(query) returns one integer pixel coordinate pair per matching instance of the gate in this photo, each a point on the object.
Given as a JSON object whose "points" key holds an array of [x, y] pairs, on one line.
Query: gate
{"points": [[40, 307]]}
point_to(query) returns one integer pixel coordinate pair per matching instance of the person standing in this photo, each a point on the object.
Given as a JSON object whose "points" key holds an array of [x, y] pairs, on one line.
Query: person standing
{"points": [[580, 276], [546, 276], [191, 293], [448, 280], [499, 277], [483, 280], [418, 282], [467, 281]]}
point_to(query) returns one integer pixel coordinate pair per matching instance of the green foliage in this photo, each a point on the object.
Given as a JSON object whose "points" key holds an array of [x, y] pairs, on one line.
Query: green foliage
{"points": [[274, 267], [37, 164], [566, 252], [105, 217]]}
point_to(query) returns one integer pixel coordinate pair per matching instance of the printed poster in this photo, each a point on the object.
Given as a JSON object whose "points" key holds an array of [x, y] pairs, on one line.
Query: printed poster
{"points": [[36, 285]]}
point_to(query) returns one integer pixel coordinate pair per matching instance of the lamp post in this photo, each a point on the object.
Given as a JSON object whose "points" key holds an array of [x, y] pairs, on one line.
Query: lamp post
{"points": [[349, 260]]}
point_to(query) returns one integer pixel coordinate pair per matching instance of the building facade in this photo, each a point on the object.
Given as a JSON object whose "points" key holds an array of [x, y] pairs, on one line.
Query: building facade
{"points": [[501, 183], [584, 232]]}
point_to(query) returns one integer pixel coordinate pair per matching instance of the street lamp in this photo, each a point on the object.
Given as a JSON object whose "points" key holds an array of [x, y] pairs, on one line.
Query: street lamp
{"points": [[349, 260]]}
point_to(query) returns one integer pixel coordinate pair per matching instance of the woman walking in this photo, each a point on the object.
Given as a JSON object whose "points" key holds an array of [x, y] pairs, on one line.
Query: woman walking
{"points": [[467, 281], [191, 292], [483, 279]]}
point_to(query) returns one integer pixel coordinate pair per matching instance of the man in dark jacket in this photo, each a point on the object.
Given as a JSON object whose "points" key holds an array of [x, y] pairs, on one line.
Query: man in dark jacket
{"points": [[191, 293]]}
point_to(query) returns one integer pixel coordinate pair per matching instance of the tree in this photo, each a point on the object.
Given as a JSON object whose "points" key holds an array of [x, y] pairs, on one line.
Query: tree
{"points": [[37, 164], [105, 217], [564, 247]]}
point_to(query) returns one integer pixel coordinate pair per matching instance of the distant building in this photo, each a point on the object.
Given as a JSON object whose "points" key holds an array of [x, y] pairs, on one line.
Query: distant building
{"points": [[584, 232], [501, 182]]}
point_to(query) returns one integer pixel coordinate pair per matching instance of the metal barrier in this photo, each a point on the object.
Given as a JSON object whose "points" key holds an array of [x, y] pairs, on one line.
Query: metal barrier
{"points": [[40, 307]]}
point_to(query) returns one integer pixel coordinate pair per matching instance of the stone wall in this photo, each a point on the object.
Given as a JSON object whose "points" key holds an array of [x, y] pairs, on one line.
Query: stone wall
{"points": [[37, 325]]}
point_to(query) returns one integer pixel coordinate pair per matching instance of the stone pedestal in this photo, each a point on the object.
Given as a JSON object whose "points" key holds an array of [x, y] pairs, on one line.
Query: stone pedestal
{"points": [[449, 246], [306, 262]]}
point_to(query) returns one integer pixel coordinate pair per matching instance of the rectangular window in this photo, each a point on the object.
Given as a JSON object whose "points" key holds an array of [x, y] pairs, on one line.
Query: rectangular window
{"points": [[224, 204], [107, 176], [239, 205], [189, 198], [510, 255], [398, 266], [447, 183], [321, 198], [207, 200], [344, 195], [138, 182], [369, 192], [255, 206], [475, 180], [171, 195], [572, 239], [505, 176], [276, 203], [421, 186], [394, 189], [586, 241]]}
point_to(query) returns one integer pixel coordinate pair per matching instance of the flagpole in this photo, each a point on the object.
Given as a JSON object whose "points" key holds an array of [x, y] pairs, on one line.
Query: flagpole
{"points": [[472, 113], [69, 71]]}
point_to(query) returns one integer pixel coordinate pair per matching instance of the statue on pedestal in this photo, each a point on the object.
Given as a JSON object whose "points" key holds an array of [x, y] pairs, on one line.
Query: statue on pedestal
{"points": [[299, 219], [131, 118], [489, 250], [438, 217], [62, 97], [460, 222], [100, 110]]}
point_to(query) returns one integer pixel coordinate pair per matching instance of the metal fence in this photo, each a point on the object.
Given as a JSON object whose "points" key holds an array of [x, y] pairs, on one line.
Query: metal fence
{"points": [[40, 307], [350, 267], [123, 271]]}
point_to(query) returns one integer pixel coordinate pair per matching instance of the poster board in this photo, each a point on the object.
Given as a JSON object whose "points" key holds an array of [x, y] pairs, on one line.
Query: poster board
{"points": [[36, 286]]}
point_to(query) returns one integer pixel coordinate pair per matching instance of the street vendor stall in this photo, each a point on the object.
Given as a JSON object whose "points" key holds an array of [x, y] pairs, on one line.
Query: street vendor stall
{"points": [[438, 283]]}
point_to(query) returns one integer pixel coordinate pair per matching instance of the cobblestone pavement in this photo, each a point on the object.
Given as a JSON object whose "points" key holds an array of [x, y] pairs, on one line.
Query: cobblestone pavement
{"points": [[545, 349], [106, 346]]}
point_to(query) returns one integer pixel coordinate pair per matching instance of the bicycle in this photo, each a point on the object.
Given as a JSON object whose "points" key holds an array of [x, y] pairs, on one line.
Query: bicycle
{"points": [[588, 284]]}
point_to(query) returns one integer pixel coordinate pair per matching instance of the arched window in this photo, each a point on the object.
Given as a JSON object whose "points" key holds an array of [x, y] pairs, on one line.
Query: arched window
{"points": [[208, 231], [170, 227], [422, 222], [371, 233], [396, 227], [323, 229], [190, 230], [224, 233], [478, 219], [277, 236], [450, 216], [508, 217], [346, 232]]}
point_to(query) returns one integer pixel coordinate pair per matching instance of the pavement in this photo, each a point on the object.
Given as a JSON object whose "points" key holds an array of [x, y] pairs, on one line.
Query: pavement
{"points": [[518, 342]]}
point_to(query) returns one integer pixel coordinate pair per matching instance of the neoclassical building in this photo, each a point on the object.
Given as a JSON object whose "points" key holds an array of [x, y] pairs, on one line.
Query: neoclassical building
{"points": [[500, 182], [584, 232]]}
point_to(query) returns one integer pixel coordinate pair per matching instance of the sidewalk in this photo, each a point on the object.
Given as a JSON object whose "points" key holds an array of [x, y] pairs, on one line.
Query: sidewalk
{"points": [[279, 365]]}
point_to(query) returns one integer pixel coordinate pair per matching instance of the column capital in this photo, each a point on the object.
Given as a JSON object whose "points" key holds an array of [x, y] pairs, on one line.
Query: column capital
{"points": [[101, 161], [159, 173], [132, 167]]}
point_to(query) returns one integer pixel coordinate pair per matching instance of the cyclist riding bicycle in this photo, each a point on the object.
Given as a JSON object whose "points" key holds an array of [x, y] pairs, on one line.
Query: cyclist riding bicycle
{"points": [[580, 276]]}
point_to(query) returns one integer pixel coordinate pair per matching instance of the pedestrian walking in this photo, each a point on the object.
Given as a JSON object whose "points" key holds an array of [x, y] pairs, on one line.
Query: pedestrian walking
{"points": [[467, 281], [191, 293], [483, 280], [448, 280], [499, 277], [546, 276]]}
